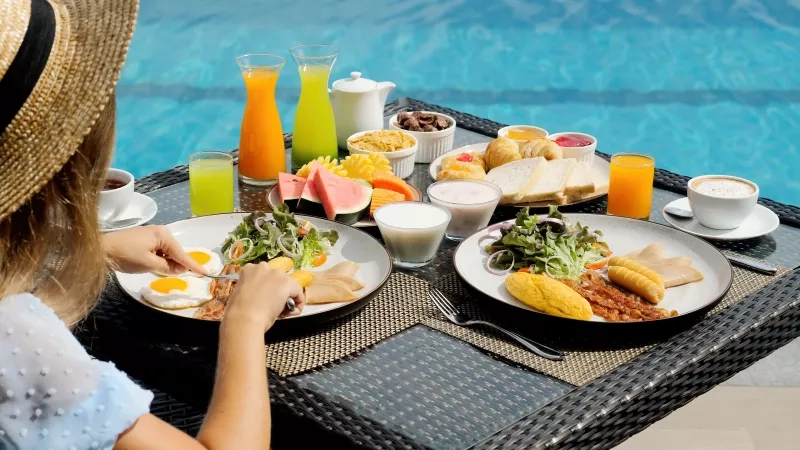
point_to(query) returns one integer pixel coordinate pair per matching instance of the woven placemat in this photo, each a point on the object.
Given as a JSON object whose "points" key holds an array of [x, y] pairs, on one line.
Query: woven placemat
{"points": [[404, 303]]}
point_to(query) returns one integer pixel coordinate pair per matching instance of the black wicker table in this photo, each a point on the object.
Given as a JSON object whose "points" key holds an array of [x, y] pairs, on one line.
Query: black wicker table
{"points": [[421, 388]]}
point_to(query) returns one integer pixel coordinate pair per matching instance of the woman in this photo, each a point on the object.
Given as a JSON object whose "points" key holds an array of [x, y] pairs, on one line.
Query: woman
{"points": [[59, 63]]}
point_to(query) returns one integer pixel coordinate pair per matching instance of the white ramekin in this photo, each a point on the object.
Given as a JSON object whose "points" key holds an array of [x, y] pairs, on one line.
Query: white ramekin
{"points": [[583, 154], [503, 132], [402, 162], [432, 144]]}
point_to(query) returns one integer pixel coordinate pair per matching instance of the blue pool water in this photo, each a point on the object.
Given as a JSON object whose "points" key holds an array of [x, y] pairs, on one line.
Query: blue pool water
{"points": [[704, 85]]}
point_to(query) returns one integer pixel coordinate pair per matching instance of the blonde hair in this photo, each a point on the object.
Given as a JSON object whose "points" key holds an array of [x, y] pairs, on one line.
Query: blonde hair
{"points": [[50, 246]]}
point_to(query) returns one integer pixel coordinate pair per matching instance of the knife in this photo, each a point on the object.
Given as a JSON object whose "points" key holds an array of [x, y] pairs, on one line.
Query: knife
{"points": [[753, 265]]}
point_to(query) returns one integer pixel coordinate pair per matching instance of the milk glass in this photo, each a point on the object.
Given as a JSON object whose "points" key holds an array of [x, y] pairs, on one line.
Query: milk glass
{"points": [[471, 205], [412, 231]]}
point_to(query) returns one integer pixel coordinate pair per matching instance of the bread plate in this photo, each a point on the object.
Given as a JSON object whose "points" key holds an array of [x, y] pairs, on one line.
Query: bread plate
{"points": [[690, 301], [600, 175], [274, 198], [209, 232]]}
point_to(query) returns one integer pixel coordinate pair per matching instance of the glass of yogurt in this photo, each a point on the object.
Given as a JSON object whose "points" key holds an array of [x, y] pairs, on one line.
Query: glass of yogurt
{"points": [[412, 231], [471, 204]]}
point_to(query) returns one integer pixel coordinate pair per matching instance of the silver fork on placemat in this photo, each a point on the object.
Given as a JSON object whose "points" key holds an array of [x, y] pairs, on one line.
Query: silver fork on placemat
{"points": [[457, 317]]}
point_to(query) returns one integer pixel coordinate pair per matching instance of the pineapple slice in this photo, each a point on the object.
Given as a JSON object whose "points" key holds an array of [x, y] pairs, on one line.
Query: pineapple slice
{"points": [[326, 162]]}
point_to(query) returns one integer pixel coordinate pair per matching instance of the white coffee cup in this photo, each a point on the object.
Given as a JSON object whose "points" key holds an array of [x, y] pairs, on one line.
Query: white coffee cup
{"points": [[116, 195], [722, 202]]}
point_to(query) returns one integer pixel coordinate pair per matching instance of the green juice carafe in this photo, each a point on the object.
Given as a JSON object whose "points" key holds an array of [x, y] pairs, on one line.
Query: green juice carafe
{"points": [[314, 126]]}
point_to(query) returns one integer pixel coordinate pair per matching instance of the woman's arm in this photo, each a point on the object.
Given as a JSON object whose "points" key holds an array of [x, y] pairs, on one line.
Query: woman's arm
{"points": [[239, 415]]}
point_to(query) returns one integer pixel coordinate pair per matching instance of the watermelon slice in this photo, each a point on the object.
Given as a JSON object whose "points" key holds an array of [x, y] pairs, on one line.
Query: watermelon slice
{"points": [[290, 188], [309, 200], [344, 201]]}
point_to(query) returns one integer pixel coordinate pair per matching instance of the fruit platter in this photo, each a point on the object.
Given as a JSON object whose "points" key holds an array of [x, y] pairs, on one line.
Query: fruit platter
{"points": [[348, 192]]}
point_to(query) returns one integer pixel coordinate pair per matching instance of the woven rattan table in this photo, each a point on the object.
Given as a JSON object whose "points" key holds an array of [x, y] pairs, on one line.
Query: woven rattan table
{"points": [[430, 386]]}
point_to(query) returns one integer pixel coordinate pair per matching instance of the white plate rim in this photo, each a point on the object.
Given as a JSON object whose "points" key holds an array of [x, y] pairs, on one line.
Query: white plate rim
{"points": [[679, 226], [319, 314], [360, 224], [436, 163], [705, 306]]}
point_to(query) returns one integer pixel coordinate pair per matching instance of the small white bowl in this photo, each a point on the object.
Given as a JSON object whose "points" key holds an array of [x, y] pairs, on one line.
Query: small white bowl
{"points": [[583, 154], [402, 161], [503, 132], [432, 144]]}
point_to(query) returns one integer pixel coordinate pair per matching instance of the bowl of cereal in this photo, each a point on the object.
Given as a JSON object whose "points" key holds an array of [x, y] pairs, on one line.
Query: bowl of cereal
{"points": [[399, 147], [434, 132]]}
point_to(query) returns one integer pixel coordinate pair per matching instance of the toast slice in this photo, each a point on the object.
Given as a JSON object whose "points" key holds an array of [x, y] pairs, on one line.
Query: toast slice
{"points": [[511, 178], [549, 185], [580, 181], [600, 189]]}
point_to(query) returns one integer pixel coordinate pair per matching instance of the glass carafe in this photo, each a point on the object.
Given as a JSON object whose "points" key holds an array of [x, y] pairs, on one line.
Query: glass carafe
{"points": [[314, 132], [262, 154]]}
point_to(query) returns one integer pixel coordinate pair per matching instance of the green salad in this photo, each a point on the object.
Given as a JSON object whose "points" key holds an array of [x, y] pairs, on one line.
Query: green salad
{"points": [[546, 244], [261, 238]]}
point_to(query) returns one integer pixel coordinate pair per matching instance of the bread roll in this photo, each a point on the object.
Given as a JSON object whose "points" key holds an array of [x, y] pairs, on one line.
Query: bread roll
{"points": [[501, 151], [541, 146]]}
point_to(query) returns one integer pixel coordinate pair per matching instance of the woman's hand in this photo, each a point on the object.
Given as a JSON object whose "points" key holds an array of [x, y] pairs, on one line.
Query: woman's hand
{"points": [[147, 249], [261, 294]]}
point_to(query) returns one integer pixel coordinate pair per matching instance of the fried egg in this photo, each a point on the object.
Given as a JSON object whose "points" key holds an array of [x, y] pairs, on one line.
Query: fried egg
{"points": [[177, 292], [206, 258]]}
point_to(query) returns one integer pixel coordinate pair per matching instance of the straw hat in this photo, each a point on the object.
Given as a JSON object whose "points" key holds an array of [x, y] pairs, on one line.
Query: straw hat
{"points": [[59, 63]]}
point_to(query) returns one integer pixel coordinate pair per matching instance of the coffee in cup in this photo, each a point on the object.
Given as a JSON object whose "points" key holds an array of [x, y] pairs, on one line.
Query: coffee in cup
{"points": [[722, 202], [116, 195]]}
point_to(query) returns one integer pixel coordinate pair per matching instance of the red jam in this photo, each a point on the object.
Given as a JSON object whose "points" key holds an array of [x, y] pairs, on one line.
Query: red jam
{"points": [[464, 157], [571, 140]]}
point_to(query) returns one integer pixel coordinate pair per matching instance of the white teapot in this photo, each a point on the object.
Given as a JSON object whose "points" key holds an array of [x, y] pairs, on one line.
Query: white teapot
{"points": [[358, 105]]}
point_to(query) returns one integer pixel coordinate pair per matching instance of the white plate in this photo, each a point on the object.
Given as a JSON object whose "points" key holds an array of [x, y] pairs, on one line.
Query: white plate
{"points": [[761, 222], [209, 232], [140, 206], [600, 168], [274, 198], [623, 236]]}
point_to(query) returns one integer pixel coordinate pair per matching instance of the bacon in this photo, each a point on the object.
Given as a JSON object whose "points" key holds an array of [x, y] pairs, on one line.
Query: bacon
{"points": [[221, 290], [613, 303]]}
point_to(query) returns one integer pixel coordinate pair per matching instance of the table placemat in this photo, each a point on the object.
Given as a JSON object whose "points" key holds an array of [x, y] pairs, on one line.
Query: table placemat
{"points": [[404, 303]]}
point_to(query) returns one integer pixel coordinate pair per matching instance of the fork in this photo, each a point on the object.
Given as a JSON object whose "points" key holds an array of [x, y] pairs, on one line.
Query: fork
{"points": [[457, 317], [290, 304]]}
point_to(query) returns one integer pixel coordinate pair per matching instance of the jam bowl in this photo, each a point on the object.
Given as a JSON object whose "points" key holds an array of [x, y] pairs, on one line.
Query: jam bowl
{"points": [[580, 146]]}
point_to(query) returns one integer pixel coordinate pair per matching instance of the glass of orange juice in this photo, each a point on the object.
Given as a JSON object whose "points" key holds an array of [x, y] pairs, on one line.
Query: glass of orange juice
{"points": [[630, 187], [211, 183], [262, 154]]}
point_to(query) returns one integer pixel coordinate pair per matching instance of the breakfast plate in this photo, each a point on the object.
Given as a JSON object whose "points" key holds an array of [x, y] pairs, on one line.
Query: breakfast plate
{"points": [[624, 237], [274, 198], [601, 171], [762, 221], [209, 232]]}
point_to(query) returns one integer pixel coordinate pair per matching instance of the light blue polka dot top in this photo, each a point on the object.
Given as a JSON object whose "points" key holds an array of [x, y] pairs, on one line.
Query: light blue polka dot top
{"points": [[53, 395]]}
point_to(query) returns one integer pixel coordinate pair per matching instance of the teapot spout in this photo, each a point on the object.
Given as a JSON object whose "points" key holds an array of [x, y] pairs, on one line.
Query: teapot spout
{"points": [[384, 87]]}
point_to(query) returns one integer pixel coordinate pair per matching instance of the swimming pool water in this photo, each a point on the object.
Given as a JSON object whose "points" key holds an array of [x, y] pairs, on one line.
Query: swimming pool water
{"points": [[703, 85]]}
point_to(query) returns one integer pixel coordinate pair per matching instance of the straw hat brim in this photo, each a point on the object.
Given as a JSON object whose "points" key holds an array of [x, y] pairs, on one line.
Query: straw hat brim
{"points": [[88, 52]]}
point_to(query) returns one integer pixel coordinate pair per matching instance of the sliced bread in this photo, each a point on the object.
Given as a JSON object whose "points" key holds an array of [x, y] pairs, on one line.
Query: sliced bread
{"points": [[580, 180], [550, 184], [511, 178], [600, 189]]}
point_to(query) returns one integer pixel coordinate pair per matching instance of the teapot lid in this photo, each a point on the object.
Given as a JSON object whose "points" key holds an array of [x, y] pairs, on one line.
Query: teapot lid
{"points": [[355, 84]]}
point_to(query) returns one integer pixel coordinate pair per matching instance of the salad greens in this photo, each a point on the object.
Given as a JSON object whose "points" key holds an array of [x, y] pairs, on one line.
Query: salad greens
{"points": [[546, 244], [263, 238]]}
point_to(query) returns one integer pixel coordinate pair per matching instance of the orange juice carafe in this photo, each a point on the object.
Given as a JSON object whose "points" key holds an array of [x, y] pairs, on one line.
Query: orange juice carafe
{"points": [[630, 185], [262, 154]]}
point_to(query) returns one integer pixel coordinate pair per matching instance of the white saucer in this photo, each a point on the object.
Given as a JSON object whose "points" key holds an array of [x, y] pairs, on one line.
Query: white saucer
{"points": [[761, 222], [140, 206]]}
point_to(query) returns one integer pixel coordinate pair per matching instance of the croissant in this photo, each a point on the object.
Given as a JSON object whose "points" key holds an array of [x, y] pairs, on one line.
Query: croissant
{"points": [[542, 146], [501, 151]]}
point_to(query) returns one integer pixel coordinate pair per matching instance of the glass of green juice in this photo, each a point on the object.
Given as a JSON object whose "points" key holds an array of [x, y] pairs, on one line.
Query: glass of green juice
{"points": [[211, 183]]}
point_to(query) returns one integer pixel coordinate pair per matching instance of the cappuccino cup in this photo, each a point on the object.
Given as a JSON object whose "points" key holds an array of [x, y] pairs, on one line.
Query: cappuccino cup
{"points": [[116, 195], [722, 202]]}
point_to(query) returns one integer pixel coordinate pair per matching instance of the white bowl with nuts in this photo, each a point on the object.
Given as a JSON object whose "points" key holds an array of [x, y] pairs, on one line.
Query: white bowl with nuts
{"points": [[434, 132]]}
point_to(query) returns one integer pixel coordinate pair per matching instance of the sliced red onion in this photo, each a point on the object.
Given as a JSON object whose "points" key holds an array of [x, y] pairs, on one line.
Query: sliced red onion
{"points": [[499, 226], [258, 227], [496, 255], [236, 244], [285, 250], [547, 261], [551, 220]]}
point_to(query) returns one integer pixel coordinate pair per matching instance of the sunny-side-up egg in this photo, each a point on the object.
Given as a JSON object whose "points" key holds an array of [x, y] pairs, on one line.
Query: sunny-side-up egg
{"points": [[206, 258], [177, 292]]}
